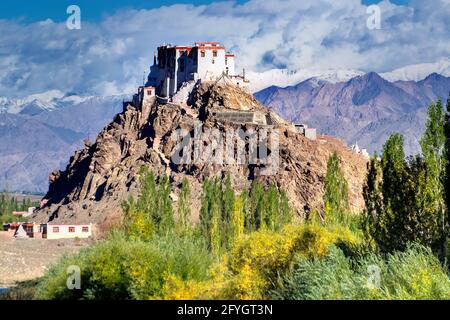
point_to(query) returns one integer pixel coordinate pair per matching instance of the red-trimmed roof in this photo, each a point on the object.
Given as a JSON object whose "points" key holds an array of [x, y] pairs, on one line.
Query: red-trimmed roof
{"points": [[207, 42], [68, 225], [210, 48], [183, 47]]}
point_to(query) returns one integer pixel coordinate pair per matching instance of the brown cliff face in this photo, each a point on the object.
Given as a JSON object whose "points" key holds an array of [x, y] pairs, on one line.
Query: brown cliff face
{"points": [[101, 176]]}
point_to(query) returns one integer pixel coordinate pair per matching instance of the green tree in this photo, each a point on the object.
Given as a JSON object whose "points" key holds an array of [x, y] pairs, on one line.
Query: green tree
{"points": [[433, 150], [285, 211], [393, 220], [373, 199], [184, 206], [272, 203], [405, 209], [137, 223], [211, 214], [205, 210], [446, 175], [238, 219], [228, 199], [165, 211], [257, 213], [336, 192], [147, 201]]}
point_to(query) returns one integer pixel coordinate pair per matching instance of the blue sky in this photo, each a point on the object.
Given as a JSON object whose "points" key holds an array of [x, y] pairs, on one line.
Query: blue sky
{"points": [[115, 45], [94, 10]]}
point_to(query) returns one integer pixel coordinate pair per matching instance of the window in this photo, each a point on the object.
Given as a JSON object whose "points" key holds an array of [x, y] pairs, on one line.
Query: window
{"points": [[213, 61], [85, 229], [71, 229], [55, 229], [215, 53], [149, 92], [182, 65], [203, 53]]}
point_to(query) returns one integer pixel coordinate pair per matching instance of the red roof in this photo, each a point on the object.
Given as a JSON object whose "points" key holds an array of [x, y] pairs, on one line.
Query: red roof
{"points": [[210, 48], [205, 43], [183, 47]]}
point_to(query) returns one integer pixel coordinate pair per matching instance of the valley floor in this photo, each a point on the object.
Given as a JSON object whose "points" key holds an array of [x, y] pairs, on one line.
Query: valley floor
{"points": [[26, 259]]}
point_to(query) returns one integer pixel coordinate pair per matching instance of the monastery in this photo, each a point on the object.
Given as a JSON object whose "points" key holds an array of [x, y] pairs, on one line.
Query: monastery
{"points": [[174, 66], [176, 70]]}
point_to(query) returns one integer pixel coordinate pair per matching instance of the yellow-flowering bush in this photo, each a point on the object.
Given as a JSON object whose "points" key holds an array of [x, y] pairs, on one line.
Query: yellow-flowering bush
{"points": [[259, 258], [176, 289]]}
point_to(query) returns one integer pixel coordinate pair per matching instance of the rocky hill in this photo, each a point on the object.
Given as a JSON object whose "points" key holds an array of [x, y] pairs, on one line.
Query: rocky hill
{"points": [[103, 174]]}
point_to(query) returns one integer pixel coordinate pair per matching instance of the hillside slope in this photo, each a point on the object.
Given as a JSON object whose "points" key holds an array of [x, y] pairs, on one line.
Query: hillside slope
{"points": [[101, 175]]}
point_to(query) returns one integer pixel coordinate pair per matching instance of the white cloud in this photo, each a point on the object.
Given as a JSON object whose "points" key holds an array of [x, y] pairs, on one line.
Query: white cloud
{"points": [[110, 57]]}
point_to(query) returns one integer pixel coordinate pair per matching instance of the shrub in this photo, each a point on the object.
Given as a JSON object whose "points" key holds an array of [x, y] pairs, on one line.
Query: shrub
{"points": [[119, 268], [257, 260], [413, 274]]}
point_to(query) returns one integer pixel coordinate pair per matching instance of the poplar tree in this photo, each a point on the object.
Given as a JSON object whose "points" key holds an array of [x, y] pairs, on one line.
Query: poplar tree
{"points": [[433, 150], [238, 219], [286, 214], [446, 175], [246, 207], [205, 210], [373, 199], [147, 201], [393, 220], [272, 220], [165, 216], [140, 221], [336, 191], [228, 199], [215, 234], [405, 211], [184, 207], [211, 215], [256, 218]]}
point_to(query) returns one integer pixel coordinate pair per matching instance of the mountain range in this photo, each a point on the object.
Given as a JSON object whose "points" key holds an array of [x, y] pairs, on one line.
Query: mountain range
{"points": [[39, 133], [286, 77], [365, 109]]}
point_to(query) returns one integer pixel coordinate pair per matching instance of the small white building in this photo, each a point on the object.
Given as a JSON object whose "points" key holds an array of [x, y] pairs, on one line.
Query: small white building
{"points": [[63, 231], [356, 149], [310, 133]]}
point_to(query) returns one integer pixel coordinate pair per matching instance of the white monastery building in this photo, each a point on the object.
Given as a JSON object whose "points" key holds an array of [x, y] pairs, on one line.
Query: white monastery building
{"points": [[174, 66]]}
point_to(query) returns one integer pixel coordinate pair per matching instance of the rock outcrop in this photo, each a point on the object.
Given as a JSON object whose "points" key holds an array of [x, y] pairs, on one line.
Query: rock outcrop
{"points": [[101, 176]]}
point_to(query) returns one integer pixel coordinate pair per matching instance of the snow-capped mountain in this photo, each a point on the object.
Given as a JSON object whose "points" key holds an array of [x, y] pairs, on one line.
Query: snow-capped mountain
{"points": [[38, 134], [37, 103], [418, 72], [285, 78]]}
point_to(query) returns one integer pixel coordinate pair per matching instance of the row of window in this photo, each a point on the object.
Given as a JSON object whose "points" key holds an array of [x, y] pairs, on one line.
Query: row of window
{"points": [[203, 53], [71, 229]]}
